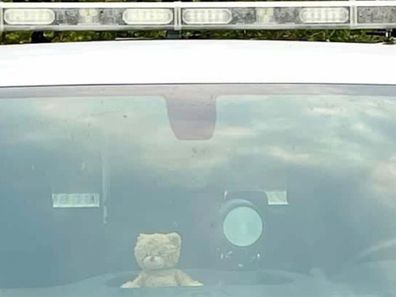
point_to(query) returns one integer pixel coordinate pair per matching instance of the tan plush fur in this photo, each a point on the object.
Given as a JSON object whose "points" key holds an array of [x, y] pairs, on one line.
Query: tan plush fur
{"points": [[158, 254]]}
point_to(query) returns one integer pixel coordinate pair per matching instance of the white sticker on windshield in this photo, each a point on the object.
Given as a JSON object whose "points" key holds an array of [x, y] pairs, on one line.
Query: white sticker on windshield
{"points": [[277, 197], [75, 200]]}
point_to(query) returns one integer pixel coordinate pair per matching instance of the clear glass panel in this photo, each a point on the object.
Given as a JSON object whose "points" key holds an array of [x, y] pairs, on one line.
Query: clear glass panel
{"points": [[88, 173]]}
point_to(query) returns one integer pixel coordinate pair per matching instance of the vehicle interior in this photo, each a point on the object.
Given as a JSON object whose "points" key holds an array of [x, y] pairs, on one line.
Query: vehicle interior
{"points": [[290, 192]]}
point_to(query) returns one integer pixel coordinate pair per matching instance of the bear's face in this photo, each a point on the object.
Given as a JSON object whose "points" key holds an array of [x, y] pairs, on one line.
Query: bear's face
{"points": [[157, 251]]}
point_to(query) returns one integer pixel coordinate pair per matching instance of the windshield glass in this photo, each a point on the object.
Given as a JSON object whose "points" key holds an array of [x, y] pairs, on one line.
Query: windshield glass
{"points": [[231, 190]]}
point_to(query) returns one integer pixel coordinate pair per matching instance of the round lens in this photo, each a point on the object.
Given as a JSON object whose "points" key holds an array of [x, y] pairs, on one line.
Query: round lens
{"points": [[242, 226]]}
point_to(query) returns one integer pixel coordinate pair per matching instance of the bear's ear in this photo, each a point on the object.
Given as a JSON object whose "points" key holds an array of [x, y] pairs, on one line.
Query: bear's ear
{"points": [[142, 235], [175, 238]]}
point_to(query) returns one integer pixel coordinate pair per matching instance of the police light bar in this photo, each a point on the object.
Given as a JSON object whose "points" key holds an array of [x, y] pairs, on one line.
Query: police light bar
{"points": [[100, 16]]}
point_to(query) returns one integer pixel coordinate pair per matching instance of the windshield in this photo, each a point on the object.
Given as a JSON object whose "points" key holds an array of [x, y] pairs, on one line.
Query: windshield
{"points": [[231, 190]]}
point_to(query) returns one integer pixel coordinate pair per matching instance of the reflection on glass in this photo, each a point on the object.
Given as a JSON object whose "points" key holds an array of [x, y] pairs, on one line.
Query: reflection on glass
{"points": [[325, 156]]}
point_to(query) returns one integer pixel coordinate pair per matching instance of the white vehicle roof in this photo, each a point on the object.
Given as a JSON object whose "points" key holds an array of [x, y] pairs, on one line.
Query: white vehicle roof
{"points": [[196, 61]]}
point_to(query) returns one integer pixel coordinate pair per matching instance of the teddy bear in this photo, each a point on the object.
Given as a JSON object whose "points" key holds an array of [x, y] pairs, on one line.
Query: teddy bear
{"points": [[157, 255]]}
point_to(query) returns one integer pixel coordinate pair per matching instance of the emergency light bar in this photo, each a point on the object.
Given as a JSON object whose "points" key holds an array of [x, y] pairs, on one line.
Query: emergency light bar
{"points": [[99, 16]]}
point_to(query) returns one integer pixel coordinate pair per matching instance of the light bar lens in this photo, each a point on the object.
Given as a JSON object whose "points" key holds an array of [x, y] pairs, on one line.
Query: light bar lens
{"points": [[88, 16], [264, 15], [320, 15], [29, 16], [153, 16], [288, 15], [376, 15], [196, 16]]}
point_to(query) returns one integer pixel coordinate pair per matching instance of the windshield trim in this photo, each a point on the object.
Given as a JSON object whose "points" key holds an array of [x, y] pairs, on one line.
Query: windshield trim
{"points": [[213, 90]]}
